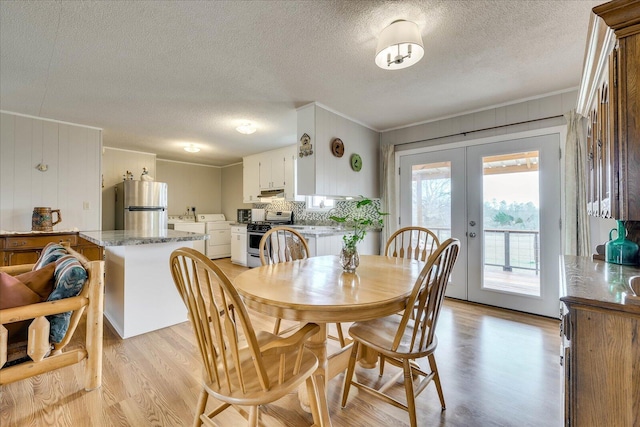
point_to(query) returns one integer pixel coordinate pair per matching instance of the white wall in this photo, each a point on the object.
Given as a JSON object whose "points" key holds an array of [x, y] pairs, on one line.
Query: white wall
{"points": [[231, 195], [324, 174], [451, 129], [191, 184], [71, 183]]}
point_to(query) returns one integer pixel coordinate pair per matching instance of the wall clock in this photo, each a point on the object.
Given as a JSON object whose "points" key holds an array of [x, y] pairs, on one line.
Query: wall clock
{"points": [[356, 162], [337, 147]]}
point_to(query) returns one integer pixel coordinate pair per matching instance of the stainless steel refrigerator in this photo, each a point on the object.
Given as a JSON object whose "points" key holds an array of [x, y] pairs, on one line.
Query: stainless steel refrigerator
{"points": [[141, 206]]}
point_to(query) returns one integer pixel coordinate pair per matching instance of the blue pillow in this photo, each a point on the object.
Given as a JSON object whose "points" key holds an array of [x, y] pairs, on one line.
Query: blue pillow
{"points": [[50, 254], [70, 277]]}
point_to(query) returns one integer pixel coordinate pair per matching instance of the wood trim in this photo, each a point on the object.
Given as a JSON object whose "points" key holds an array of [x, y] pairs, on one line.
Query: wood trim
{"points": [[619, 14], [601, 40]]}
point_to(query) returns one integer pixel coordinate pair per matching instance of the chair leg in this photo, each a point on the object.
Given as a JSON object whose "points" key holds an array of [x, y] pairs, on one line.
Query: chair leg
{"points": [[253, 417], [382, 359], [312, 393], [436, 379], [340, 335], [276, 326], [408, 388], [349, 375], [202, 405]]}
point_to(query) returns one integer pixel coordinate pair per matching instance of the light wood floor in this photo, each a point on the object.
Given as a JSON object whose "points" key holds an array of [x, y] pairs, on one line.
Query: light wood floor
{"points": [[498, 368]]}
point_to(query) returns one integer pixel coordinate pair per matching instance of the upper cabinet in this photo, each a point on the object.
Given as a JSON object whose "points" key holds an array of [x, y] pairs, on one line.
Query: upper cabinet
{"points": [[271, 170], [251, 179], [610, 99], [327, 167]]}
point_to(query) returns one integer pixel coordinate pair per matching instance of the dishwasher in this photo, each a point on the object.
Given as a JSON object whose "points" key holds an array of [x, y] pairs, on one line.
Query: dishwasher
{"points": [[239, 244]]}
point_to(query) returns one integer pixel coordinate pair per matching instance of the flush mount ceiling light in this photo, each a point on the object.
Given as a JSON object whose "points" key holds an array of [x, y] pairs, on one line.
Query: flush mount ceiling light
{"points": [[399, 46], [191, 148], [246, 129]]}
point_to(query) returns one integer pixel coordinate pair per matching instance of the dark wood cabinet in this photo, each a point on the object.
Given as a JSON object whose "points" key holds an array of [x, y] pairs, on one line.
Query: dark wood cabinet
{"points": [[601, 346], [610, 99], [16, 249]]}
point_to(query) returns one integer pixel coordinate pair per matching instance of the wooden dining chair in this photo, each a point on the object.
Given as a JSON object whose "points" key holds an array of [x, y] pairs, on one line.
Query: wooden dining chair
{"points": [[404, 340], [241, 367], [284, 244], [412, 242]]}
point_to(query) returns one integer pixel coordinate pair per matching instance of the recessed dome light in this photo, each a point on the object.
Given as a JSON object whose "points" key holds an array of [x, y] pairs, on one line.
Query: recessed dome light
{"points": [[246, 129], [191, 148]]}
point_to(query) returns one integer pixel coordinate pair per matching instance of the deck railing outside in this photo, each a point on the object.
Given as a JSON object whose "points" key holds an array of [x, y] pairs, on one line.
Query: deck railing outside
{"points": [[508, 249]]}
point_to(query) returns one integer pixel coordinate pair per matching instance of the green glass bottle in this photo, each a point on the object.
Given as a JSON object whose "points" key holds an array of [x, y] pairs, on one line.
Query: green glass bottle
{"points": [[621, 250]]}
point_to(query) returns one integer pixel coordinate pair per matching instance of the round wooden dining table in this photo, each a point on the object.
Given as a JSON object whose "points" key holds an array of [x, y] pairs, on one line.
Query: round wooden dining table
{"points": [[317, 290]]}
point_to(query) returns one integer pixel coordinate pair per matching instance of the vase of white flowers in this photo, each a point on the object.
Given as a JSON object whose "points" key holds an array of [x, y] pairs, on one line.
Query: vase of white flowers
{"points": [[365, 215]]}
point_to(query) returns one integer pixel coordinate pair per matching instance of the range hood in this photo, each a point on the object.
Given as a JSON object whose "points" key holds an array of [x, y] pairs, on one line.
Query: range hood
{"points": [[272, 193]]}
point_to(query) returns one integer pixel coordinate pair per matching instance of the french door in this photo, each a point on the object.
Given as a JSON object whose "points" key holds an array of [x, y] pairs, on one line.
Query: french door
{"points": [[502, 200]]}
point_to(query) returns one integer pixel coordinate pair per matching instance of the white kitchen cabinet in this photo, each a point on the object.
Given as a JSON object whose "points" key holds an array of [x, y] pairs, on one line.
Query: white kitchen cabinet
{"points": [[239, 244], [272, 169], [323, 244], [324, 174], [275, 169], [251, 179]]}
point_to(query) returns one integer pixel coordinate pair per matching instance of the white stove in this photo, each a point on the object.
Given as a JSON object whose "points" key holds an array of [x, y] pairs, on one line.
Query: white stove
{"points": [[255, 231], [219, 231]]}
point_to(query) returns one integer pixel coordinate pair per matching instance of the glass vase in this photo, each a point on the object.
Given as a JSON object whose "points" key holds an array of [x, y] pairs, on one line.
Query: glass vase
{"points": [[349, 259], [621, 250]]}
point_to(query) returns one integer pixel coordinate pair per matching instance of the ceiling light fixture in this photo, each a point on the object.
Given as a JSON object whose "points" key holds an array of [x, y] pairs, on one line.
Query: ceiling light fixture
{"points": [[246, 129], [191, 148], [399, 46]]}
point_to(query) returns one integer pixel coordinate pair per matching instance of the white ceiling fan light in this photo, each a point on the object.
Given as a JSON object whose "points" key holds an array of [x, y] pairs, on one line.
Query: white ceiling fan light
{"points": [[191, 148], [246, 128], [399, 46]]}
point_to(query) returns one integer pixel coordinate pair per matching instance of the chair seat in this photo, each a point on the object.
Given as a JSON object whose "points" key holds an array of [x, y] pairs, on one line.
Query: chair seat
{"points": [[379, 334], [255, 395]]}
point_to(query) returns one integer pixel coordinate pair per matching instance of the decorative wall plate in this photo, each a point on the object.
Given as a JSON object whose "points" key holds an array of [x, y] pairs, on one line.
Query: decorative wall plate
{"points": [[306, 148], [337, 147], [356, 162]]}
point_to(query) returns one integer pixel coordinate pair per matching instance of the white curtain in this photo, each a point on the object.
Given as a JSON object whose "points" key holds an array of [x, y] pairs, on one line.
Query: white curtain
{"points": [[576, 222], [388, 196]]}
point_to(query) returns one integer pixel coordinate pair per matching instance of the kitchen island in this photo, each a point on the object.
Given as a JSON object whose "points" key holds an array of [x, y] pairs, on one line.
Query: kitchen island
{"points": [[140, 295]]}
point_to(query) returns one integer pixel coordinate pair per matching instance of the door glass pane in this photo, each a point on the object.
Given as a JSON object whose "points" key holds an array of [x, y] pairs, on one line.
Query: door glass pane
{"points": [[431, 197], [511, 203]]}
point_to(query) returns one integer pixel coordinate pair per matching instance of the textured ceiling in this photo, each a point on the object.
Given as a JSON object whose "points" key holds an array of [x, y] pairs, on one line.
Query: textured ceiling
{"points": [[156, 75]]}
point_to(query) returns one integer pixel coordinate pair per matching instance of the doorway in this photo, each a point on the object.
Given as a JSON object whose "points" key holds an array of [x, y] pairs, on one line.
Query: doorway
{"points": [[502, 200]]}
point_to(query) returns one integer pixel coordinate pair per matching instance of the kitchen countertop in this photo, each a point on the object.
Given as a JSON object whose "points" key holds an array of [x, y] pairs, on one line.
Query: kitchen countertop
{"points": [[597, 283], [32, 233], [130, 237], [311, 230]]}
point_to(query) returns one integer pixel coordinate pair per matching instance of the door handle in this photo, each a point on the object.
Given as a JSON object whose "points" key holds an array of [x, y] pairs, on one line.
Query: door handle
{"points": [[472, 234]]}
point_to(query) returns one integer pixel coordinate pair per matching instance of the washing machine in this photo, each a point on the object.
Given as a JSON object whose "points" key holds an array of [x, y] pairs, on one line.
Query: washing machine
{"points": [[219, 231], [188, 223]]}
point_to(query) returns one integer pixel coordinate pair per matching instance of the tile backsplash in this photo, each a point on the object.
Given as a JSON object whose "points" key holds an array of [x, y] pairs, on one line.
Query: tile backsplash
{"points": [[302, 216]]}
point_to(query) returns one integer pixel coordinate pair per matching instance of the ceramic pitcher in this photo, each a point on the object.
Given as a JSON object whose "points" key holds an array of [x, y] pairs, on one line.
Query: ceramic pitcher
{"points": [[41, 220]]}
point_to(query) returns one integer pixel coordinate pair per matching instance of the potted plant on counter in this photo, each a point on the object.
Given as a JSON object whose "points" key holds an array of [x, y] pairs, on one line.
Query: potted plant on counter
{"points": [[365, 215]]}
